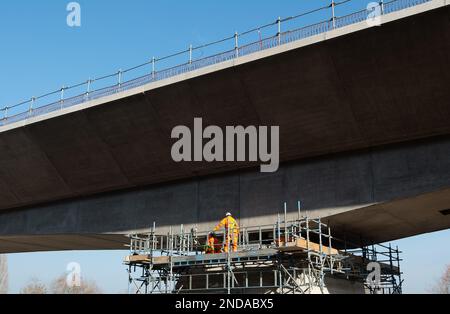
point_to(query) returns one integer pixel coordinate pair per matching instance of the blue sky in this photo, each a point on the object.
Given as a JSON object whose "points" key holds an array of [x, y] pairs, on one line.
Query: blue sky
{"points": [[40, 53]]}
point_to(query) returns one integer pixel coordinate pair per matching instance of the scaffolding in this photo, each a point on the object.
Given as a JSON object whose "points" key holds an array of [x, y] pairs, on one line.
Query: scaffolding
{"points": [[287, 257], [388, 259]]}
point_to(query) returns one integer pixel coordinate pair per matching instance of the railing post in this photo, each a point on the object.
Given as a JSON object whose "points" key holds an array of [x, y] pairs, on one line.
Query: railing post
{"points": [[30, 109], [333, 13], [88, 90], [62, 96], [119, 77], [236, 43], [190, 54], [382, 6], [5, 117], [279, 30], [153, 67]]}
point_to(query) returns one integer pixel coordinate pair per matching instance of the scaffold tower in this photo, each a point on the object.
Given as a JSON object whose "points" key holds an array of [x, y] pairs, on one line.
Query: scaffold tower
{"points": [[287, 257]]}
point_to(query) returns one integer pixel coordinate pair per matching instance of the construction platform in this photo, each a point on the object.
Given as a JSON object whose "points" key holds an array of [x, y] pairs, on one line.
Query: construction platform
{"points": [[289, 257]]}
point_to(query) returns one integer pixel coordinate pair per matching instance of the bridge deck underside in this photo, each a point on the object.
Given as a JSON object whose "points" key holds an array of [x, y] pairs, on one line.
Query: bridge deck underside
{"points": [[381, 85]]}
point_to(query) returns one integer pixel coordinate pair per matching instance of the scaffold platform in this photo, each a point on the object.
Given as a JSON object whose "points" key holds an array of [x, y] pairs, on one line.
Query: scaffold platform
{"points": [[295, 257]]}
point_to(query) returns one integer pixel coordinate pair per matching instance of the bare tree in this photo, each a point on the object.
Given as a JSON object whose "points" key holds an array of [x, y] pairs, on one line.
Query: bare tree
{"points": [[3, 274], [443, 286], [34, 287], [60, 286]]}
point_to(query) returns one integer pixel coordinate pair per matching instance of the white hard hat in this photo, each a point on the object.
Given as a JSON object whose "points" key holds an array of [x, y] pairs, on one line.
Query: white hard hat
{"points": [[228, 214]]}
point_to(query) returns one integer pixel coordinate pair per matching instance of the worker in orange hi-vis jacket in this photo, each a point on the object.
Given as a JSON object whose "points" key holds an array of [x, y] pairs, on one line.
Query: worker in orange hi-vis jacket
{"points": [[231, 227], [213, 244]]}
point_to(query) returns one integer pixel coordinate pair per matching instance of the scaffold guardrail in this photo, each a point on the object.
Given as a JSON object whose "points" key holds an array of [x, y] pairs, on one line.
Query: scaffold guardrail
{"points": [[289, 256]]}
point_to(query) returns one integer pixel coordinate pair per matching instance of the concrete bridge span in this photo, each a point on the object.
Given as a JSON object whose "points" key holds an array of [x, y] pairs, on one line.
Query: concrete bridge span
{"points": [[378, 194], [363, 115]]}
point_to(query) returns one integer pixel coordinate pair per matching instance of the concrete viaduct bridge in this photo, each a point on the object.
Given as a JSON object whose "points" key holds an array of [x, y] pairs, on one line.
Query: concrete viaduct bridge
{"points": [[364, 141]]}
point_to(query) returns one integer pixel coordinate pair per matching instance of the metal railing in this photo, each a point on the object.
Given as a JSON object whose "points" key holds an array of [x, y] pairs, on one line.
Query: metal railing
{"points": [[59, 99]]}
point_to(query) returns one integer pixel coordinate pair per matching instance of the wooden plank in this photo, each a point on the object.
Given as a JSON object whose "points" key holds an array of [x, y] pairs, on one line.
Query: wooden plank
{"points": [[137, 259], [145, 259], [302, 245]]}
